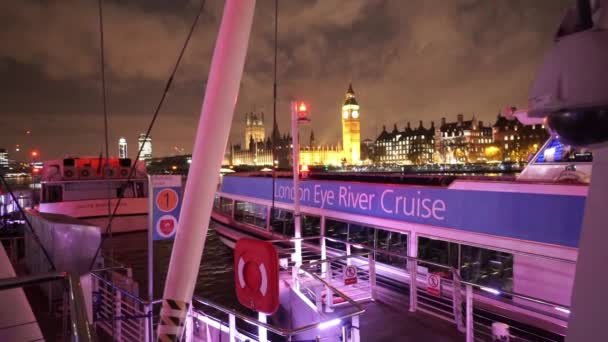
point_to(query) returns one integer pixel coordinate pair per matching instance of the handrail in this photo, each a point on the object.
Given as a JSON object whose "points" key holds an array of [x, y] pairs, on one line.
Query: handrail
{"points": [[81, 329]]}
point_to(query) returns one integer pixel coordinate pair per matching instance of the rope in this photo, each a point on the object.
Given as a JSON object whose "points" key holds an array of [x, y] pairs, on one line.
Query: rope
{"points": [[154, 117]]}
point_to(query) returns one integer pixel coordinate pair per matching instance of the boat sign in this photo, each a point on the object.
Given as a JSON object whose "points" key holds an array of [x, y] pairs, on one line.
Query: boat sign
{"points": [[350, 275], [433, 284], [165, 203]]}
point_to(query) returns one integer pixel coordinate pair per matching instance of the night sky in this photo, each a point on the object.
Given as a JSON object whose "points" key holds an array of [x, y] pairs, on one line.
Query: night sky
{"points": [[407, 59]]}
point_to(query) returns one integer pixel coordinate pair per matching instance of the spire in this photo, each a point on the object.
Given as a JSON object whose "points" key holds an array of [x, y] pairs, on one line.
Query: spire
{"points": [[350, 89], [312, 139], [350, 96]]}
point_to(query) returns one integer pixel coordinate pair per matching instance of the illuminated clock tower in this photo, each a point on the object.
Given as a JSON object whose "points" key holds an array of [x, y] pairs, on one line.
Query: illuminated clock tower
{"points": [[351, 128]]}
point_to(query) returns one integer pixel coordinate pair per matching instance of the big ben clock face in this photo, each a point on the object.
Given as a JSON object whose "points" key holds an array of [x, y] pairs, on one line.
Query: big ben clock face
{"points": [[355, 114], [345, 114]]}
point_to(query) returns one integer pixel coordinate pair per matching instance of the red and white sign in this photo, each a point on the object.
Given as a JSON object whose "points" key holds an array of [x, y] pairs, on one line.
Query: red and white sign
{"points": [[256, 266], [166, 225], [350, 275], [433, 284]]}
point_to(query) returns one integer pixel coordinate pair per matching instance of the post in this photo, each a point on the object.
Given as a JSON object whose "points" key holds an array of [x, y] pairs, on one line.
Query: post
{"points": [[457, 300], [323, 256], [329, 298], [262, 332], [117, 333], [348, 247], [371, 264], [295, 150], [354, 330], [413, 263], [470, 328], [150, 307], [148, 333], [589, 298], [232, 328], [210, 143]]}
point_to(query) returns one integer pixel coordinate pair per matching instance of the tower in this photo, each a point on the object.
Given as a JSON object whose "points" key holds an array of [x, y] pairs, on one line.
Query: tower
{"points": [[351, 128], [254, 128], [122, 148], [146, 151]]}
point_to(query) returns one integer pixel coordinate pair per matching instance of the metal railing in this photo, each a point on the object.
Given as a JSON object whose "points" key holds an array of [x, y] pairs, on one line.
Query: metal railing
{"points": [[80, 329]]}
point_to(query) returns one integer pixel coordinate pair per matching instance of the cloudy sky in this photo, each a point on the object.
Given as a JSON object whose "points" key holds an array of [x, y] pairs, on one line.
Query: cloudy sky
{"points": [[407, 59]]}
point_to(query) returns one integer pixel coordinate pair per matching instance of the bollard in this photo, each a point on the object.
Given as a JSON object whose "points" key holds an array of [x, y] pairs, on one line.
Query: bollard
{"points": [[500, 332]]}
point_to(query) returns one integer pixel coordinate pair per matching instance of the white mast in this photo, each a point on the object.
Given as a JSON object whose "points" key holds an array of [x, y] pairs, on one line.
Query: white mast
{"points": [[211, 137]]}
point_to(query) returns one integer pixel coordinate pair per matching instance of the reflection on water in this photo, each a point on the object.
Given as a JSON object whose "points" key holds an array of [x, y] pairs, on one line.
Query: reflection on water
{"points": [[215, 278]]}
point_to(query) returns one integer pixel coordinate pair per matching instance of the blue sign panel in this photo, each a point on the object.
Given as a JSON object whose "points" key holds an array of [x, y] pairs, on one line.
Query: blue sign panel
{"points": [[165, 198], [554, 219]]}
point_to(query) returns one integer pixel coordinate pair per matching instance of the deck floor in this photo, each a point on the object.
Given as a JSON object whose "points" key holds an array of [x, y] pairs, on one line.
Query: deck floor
{"points": [[388, 319]]}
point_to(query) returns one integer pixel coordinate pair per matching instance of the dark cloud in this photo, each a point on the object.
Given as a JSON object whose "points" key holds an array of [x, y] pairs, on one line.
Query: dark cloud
{"points": [[408, 60]]}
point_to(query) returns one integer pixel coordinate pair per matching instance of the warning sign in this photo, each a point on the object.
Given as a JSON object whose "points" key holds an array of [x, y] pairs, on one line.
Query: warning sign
{"points": [[433, 284], [350, 275]]}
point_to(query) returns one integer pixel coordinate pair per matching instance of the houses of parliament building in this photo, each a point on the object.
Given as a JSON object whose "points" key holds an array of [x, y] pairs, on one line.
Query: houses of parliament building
{"points": [[257, 147]]}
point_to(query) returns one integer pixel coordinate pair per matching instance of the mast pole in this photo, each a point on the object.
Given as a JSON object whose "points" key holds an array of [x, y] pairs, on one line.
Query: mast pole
{"points": [[211, 137]]}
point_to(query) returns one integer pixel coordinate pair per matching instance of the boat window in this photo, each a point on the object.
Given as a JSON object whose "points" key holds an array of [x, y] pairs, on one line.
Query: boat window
{"points": [[140, 189], [216, 201], [393, 243], [361, 234], [487, 267], [282, 222], [556, 152], [226, 205], [437, 251], [311, 225], [251, 213], [336, 230], [52, 194]]}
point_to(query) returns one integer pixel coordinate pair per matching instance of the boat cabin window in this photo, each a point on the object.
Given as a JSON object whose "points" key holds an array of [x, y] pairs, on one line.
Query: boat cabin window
{"points": [[337, 230], [437, 251], [283, 223], [393, 243], [225, 205], [487, 267], [91, 190], [556, 152], [251, 213], [52, 193]]}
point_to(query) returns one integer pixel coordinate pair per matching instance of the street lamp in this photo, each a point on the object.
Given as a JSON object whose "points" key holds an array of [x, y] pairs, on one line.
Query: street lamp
{"points": [[300, 112]]}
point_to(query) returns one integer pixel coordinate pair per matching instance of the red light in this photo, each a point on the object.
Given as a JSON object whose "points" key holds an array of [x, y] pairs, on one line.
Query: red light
{"points": [[36, 170], [302, 107], [34, 154]]}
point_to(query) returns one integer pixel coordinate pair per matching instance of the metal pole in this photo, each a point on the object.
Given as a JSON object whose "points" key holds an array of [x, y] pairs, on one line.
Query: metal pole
{"points": [[150, 320], [211, 138], [470, 328], [232, 328], [413, 264], [371, 264], [295, 139]]}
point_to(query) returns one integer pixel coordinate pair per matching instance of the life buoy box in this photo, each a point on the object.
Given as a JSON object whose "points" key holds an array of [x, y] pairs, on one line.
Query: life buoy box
{"points": [[256, 266]]}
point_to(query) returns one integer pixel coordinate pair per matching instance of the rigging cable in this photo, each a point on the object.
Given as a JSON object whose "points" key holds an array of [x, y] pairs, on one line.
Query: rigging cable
{"points": [[274, 110], [105, 120], [154, 117]]}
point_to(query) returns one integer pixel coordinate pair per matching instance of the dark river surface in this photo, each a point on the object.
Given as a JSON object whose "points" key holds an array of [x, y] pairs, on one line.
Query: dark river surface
{"points": [[215, 279]]}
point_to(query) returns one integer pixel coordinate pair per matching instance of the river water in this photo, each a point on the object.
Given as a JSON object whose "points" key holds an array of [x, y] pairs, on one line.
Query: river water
{"points": [[215, 280]]}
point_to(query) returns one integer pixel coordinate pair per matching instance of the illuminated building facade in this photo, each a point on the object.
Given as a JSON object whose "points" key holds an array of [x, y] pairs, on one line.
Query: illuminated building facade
{"points": [[516, 141], [3, 158], [122, 148], [410, 146], [464, 141], [257, 150], [146, 150]]}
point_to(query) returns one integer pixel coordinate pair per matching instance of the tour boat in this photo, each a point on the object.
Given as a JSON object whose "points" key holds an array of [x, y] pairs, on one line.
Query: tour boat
{"points": [[89, 189], [513, 235]]}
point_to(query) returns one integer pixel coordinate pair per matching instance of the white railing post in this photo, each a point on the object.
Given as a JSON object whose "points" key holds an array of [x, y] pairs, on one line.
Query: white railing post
{"points": [[232, 327], [413, 263], [148, 323], [323, 256], [117, 314], [371, 264], [457, 301], [354, 331], [262, 332], [329, 298], [348, 262], [470, 322], [189, 328]]}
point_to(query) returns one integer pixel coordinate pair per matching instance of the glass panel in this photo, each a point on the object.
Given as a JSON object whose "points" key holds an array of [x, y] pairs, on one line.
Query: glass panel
{"points": [[438, 251], [226, 205], [311, 226], [282, 222], [487, 267], [361, 234], [251, 213], [336, 230], [393, 242], [556, 152]]}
